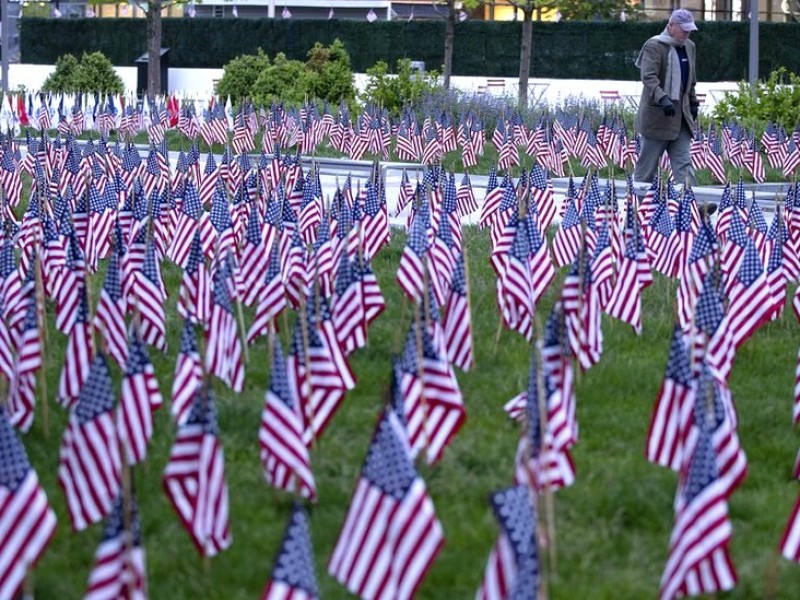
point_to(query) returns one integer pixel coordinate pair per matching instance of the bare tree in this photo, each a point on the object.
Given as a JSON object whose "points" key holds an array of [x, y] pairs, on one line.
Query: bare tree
{"points": [[451, 11], [152, 10], [528, 8]]}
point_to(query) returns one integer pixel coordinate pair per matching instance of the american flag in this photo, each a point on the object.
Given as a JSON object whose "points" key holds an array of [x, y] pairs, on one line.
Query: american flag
{"points": [[27, 523], [515, 286], [691, 280], [391, 535], [513, 567], [663, 244], [194, 477], [412, 271], [252, 265], [78, 357], [188, 375], [582, 313], [272, 299], [119, 562], [90, 464], [293, 574], [347, 307], [318, 370], [673, 410], [284, 455], [109, 317], [194, 295], [433, 404], [21, 375], [457, 320], [140, 396], [543, 459], [149, 299], [375, 226], [223, 345], [568, 238], [748, 308], [699, 562]]}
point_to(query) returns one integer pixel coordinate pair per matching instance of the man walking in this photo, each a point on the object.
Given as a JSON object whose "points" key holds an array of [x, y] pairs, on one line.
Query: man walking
{"points": [[668, 106]]}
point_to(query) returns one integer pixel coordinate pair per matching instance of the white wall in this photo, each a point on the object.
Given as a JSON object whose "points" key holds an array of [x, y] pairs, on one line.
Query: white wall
{"points": [[199, 84]]}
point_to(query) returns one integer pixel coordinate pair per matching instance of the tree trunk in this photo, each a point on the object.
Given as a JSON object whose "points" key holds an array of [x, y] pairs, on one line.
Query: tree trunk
{"points": [[525, 57], [449, 35], [154, 47]]}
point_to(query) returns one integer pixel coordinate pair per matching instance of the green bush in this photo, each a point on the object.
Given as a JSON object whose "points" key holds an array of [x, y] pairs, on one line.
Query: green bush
{"points": [[240, 75], [284, 80], [329, 74], [392, 92], [775, 99], [63, 79], [94, 73], [326, 75]]}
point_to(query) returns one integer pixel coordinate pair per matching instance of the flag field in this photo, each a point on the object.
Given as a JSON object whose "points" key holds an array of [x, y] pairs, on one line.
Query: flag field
{"points": [[612, 525]]}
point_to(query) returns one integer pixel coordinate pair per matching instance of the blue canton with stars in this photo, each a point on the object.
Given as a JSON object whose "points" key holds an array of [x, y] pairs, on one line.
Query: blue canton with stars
{"points": [[294, 564], [515, 513], [14, 465], [388, 466], [97, 395]]}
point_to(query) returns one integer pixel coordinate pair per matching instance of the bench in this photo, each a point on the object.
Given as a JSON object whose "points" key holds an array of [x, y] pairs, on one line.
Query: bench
{"points": [[610, 95]]}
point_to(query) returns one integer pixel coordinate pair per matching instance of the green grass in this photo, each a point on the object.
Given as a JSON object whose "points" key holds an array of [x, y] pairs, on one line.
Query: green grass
{"points": [[612, 525]]}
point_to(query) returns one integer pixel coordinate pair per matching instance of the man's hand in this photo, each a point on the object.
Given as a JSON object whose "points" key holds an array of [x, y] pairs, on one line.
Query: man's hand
{"points": [[693, 108], [667, 106]]}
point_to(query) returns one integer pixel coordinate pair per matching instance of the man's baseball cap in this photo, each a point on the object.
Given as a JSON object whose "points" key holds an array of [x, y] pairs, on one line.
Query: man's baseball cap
{"points": [[683, 18]]}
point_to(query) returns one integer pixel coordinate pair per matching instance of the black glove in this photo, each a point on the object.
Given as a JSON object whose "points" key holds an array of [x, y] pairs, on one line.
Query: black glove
{"points": [[693, 109], [667, 106]]}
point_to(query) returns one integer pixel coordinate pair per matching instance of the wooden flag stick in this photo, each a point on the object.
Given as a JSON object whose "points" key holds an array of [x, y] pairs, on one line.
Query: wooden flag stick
{"points": [[469, 298], [303, 316], [40, 322]]}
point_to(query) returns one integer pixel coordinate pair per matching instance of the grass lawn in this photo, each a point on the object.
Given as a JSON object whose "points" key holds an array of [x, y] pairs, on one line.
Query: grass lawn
{"points": [[613, 524]]}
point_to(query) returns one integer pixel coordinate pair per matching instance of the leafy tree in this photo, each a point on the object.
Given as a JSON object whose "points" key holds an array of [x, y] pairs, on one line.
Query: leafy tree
{"points": [[586, 10], [240, 75]]}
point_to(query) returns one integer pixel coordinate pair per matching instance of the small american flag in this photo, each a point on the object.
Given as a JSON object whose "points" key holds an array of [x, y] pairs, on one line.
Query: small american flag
{"points": [[139, 398], [223, 345], [293, 572], [27, 523], [699, 562], [188, 375], [513, 567], [391, 535], [78, 356], [673, 409], [284, 456], [119, 562], [90, 465], [194, 478]]}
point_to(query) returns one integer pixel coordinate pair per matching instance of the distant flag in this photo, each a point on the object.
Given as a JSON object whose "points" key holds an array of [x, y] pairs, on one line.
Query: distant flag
{"points": [[90, 463], [27, 523], [513, 567], [391, 535], [119, 562], [286, 13], [194, 478], [139, 397], [371, 16], [188, 375], [284, 455], [293, 574], [330, 14], [457, 320]]}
